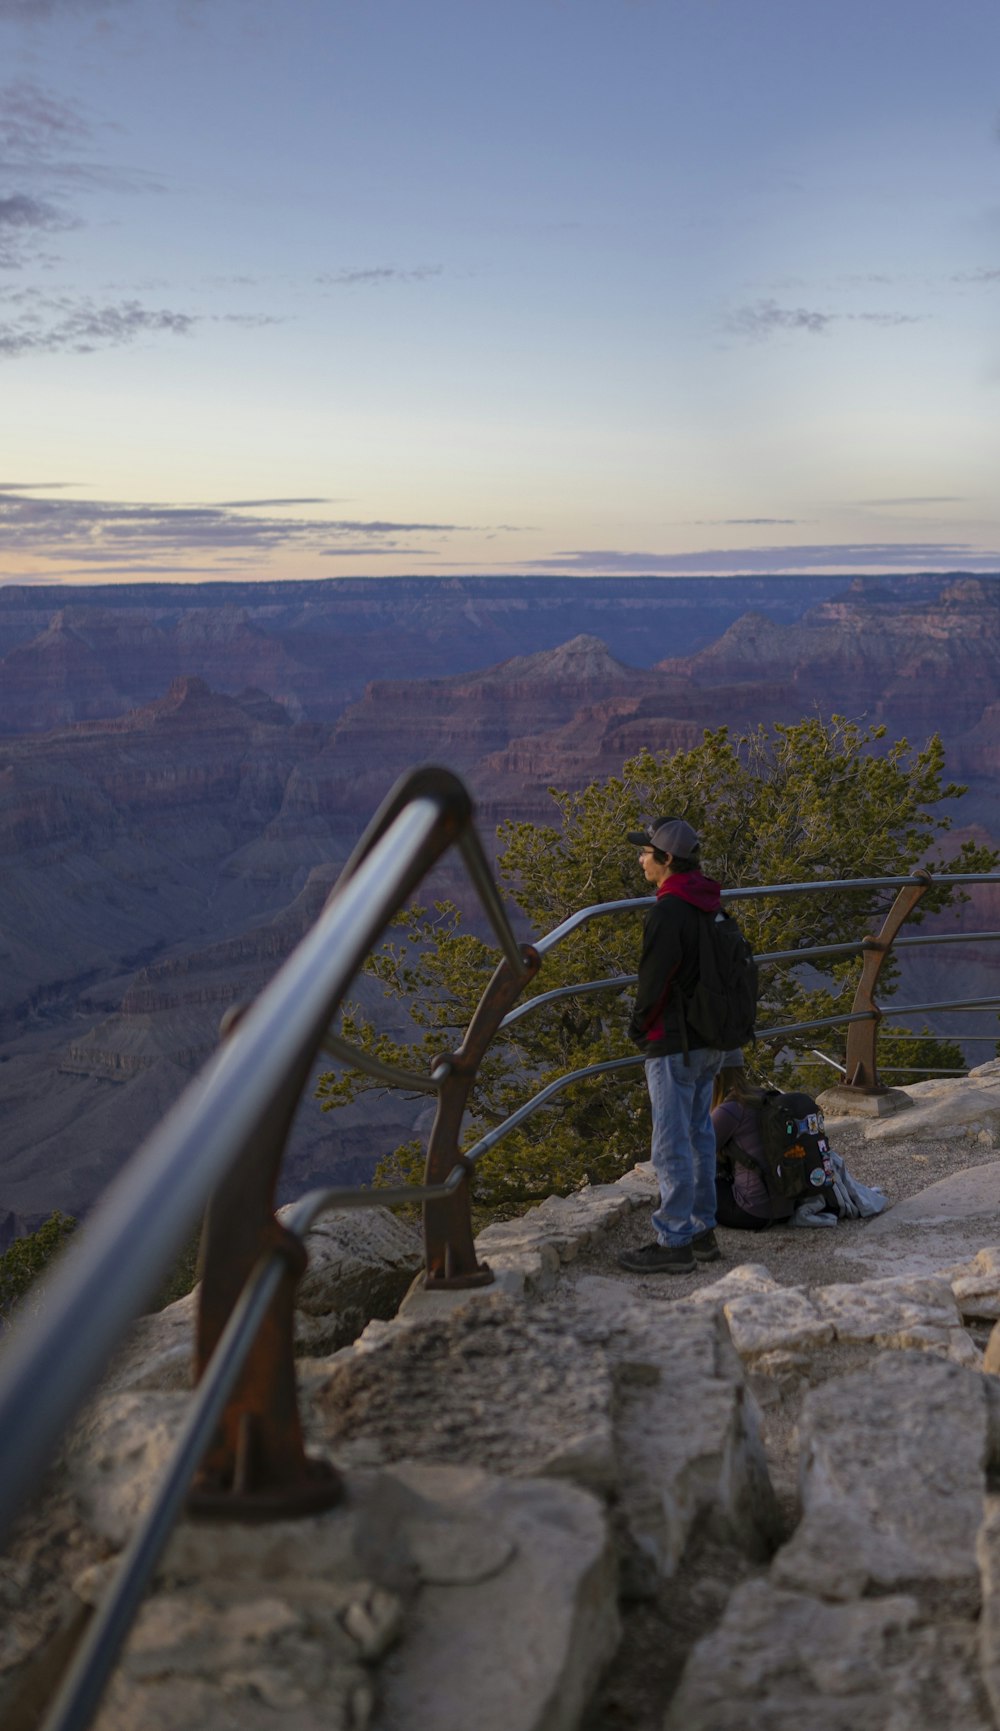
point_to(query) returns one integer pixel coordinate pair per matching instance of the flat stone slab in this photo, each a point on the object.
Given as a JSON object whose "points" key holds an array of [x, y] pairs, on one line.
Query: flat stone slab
{"points": [[785, 1320], [433, 1597], [947, 1107], [852, 1103], [523, 1648], [525, 1254], [896, 1313], [738, 1282], [969, 1195], [892, 1474], [686, 1427], [781, 1659], [489, 1385], [976, 1285]]}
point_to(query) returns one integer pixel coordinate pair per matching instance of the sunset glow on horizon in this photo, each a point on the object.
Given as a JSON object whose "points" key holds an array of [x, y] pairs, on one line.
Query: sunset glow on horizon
{"points": [[630, 287]]}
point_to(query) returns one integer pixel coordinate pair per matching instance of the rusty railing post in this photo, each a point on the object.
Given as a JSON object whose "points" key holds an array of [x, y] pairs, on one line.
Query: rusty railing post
{"points": [[862, 1037], [256, 1467], [450, 1253]]}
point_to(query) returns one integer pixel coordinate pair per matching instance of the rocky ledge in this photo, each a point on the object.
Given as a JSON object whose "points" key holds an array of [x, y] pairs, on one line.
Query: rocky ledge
{"points": [[583, 1499]]}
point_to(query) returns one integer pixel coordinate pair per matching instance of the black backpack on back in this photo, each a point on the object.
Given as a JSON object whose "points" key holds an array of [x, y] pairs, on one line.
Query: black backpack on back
{"points": [[796, 1154], [722, 1008]]}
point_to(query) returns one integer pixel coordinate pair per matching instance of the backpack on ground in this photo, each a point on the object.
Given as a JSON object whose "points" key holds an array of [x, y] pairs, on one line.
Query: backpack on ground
{"points": [[722, 1008], [796, 1155]]}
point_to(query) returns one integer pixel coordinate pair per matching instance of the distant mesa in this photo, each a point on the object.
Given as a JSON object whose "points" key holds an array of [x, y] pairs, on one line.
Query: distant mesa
{"points": [[191, 704]]}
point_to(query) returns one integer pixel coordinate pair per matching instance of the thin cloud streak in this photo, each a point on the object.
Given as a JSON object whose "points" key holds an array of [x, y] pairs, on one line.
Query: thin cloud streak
{"points": [[84, 328], [918, 499], [100, 530], [269, 504], [26, 11], [62, 324], [765, 319], [753, 561], [376, 276]]}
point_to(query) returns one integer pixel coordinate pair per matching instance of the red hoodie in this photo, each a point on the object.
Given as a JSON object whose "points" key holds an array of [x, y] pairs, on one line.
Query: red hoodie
{"points": [[693, 887]]}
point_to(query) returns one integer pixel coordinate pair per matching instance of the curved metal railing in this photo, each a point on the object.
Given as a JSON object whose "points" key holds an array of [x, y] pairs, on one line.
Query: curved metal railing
{"points": [[223, 1143]]}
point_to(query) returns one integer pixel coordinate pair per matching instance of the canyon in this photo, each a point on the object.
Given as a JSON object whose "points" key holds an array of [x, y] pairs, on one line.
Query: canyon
{"points": [[184, 770]]}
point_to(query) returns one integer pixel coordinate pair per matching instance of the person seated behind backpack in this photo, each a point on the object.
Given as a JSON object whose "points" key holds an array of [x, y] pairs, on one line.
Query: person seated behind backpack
{"points": [[773, 1161], [742, 1198]]}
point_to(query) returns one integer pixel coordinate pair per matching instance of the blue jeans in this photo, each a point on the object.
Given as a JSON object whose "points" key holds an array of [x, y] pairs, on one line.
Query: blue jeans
{"points": [[683, 1146]]}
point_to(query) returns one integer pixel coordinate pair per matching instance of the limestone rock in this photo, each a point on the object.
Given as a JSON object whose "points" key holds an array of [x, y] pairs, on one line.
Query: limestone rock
{"points": [[962, 1196], [567, 1223], [948, 1107], [991, 1357], [41, 1618], [976, 1285], [784, 1319], [686, 1429], [483, 1599], [361, 1262], [486, 1384], [988, 1550], [159, 1351], [525, 1254], [117, 1455], [521, 1649], [892, 1471], [747, 1277], [780, 1659], [775, 1329], [241, 1655], [897, 1313]]}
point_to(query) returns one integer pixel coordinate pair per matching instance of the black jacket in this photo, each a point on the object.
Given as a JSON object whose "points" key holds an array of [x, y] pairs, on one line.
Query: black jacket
{"points": [[668, 965]]}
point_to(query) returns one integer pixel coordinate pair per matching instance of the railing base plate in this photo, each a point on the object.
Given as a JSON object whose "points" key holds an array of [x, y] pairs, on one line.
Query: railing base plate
{"points": [[483, 1276], [323, 1489], [843, 1100]]}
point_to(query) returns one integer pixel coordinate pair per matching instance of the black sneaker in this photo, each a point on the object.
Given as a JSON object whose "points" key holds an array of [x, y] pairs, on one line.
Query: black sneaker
{"points": [[659, 1259], [705, 1247]]}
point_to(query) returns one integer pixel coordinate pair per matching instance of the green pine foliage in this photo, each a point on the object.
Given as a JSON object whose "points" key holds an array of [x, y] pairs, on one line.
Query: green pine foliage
{"points": [[808, 802], [28, 1258]]}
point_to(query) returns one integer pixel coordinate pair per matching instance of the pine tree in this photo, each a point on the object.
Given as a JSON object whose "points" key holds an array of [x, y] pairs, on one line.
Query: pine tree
{"points": [[812, 801]]}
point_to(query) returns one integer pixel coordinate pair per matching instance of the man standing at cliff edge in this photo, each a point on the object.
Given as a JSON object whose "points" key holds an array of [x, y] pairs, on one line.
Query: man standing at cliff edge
{"points": [[680, 1068]]}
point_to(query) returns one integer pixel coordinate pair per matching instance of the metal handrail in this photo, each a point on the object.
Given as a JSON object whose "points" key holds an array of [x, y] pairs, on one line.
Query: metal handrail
{"points": [[807, 954], [747, 892], [517, 1118], [121, 1256]]}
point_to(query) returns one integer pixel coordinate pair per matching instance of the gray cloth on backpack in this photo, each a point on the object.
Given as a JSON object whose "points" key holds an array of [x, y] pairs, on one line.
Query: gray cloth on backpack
{"points": [[813, 1212], [854, 1200]]}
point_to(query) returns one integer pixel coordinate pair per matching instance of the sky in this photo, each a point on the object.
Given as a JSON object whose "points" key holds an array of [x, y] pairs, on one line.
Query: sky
{"points": [[373, 288]]}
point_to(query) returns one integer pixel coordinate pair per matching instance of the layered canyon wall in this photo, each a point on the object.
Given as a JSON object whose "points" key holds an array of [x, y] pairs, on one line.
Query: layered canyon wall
{"points": [[161, 858]]}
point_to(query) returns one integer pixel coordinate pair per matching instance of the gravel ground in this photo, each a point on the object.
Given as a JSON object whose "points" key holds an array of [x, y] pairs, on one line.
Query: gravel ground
{"points": [[814, 1256]]}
